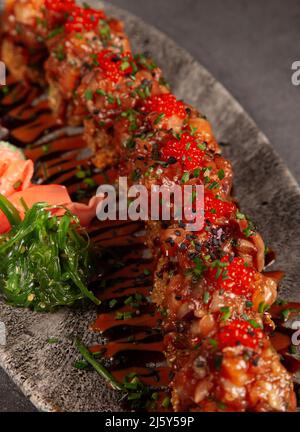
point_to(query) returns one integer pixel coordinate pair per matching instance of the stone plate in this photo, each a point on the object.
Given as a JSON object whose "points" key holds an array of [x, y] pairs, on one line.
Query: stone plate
{"points": [[266, 191]]}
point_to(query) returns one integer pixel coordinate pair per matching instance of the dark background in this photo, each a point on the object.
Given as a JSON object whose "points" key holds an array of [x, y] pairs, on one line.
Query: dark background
{"points": [[248, 45]]}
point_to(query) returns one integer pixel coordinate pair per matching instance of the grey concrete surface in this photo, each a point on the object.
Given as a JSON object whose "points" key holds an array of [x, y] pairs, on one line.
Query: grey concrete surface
{"points": [[247, 45]]}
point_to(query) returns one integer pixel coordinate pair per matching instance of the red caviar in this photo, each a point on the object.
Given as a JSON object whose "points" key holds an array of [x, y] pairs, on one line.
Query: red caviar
{"points": [[233, 276], [84, 19], [187, 150], [115, 66], [240, 332], [166, 104], [59, 5], [216, 209]]}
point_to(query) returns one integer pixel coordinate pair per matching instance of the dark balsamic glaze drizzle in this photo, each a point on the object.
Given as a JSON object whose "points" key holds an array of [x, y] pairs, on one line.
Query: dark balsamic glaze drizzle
{"points": [[129, 322]]}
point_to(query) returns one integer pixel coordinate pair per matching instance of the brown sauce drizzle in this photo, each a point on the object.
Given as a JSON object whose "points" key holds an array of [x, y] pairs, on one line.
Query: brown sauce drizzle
{"points": [[127, 320]]}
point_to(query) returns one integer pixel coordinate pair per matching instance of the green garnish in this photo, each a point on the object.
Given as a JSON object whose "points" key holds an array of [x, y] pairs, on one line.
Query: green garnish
{"points": [[44, 260], [5, 90], [225, 313], [124, 65], [55, 32], [155, 396], [293, 349], [254, 324], [214, 185], [197, 172], [218, 362], [166, 402], [129, 301], [144, 90], [105, 30], [222, 406], [90, 182], [110, 98], [206, 297], [90, 359], [80, 174], [81, 365], [193, 130], [285, 314], [123, 316], [199, 268], [112, 303], [221, 269], [46, 148], [131, 115], [185, 178], [221, 174], [52, 341], [132, 388], [213, 343], [59, 53], [136, 175], [89, 95], [101, 92], [263, 307], [240, 216], [159, 118], [202, 146], [145, 62], [280, 302], [248, 232]]}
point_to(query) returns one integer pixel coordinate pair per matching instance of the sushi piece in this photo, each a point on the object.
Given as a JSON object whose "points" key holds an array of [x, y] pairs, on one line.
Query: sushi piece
{"points": [[74, 53], [209, 284], [27, 27]]}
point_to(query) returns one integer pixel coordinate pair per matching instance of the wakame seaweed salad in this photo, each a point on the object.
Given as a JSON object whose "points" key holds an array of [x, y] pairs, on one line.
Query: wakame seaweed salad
{"points": [[44, 259]]}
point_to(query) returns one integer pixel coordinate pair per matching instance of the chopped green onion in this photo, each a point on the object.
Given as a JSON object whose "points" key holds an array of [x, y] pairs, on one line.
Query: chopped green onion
{"points": [[159, 118], [166, 402], [185, 178], [89, 95], [225, 313], [221, 174], [89, 358], [55, 32]]}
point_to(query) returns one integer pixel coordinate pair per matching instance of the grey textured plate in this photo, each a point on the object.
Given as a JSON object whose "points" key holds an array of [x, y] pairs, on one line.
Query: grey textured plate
{"points": [[264, 186]]}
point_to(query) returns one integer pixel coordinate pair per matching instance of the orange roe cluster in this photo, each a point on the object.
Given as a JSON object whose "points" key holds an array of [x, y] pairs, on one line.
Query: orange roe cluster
{"points": [[84, 19], [216, 209], [59, 5], [233, 276], [239, 332], [165, 104], [115, 66], [187, 150]]}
